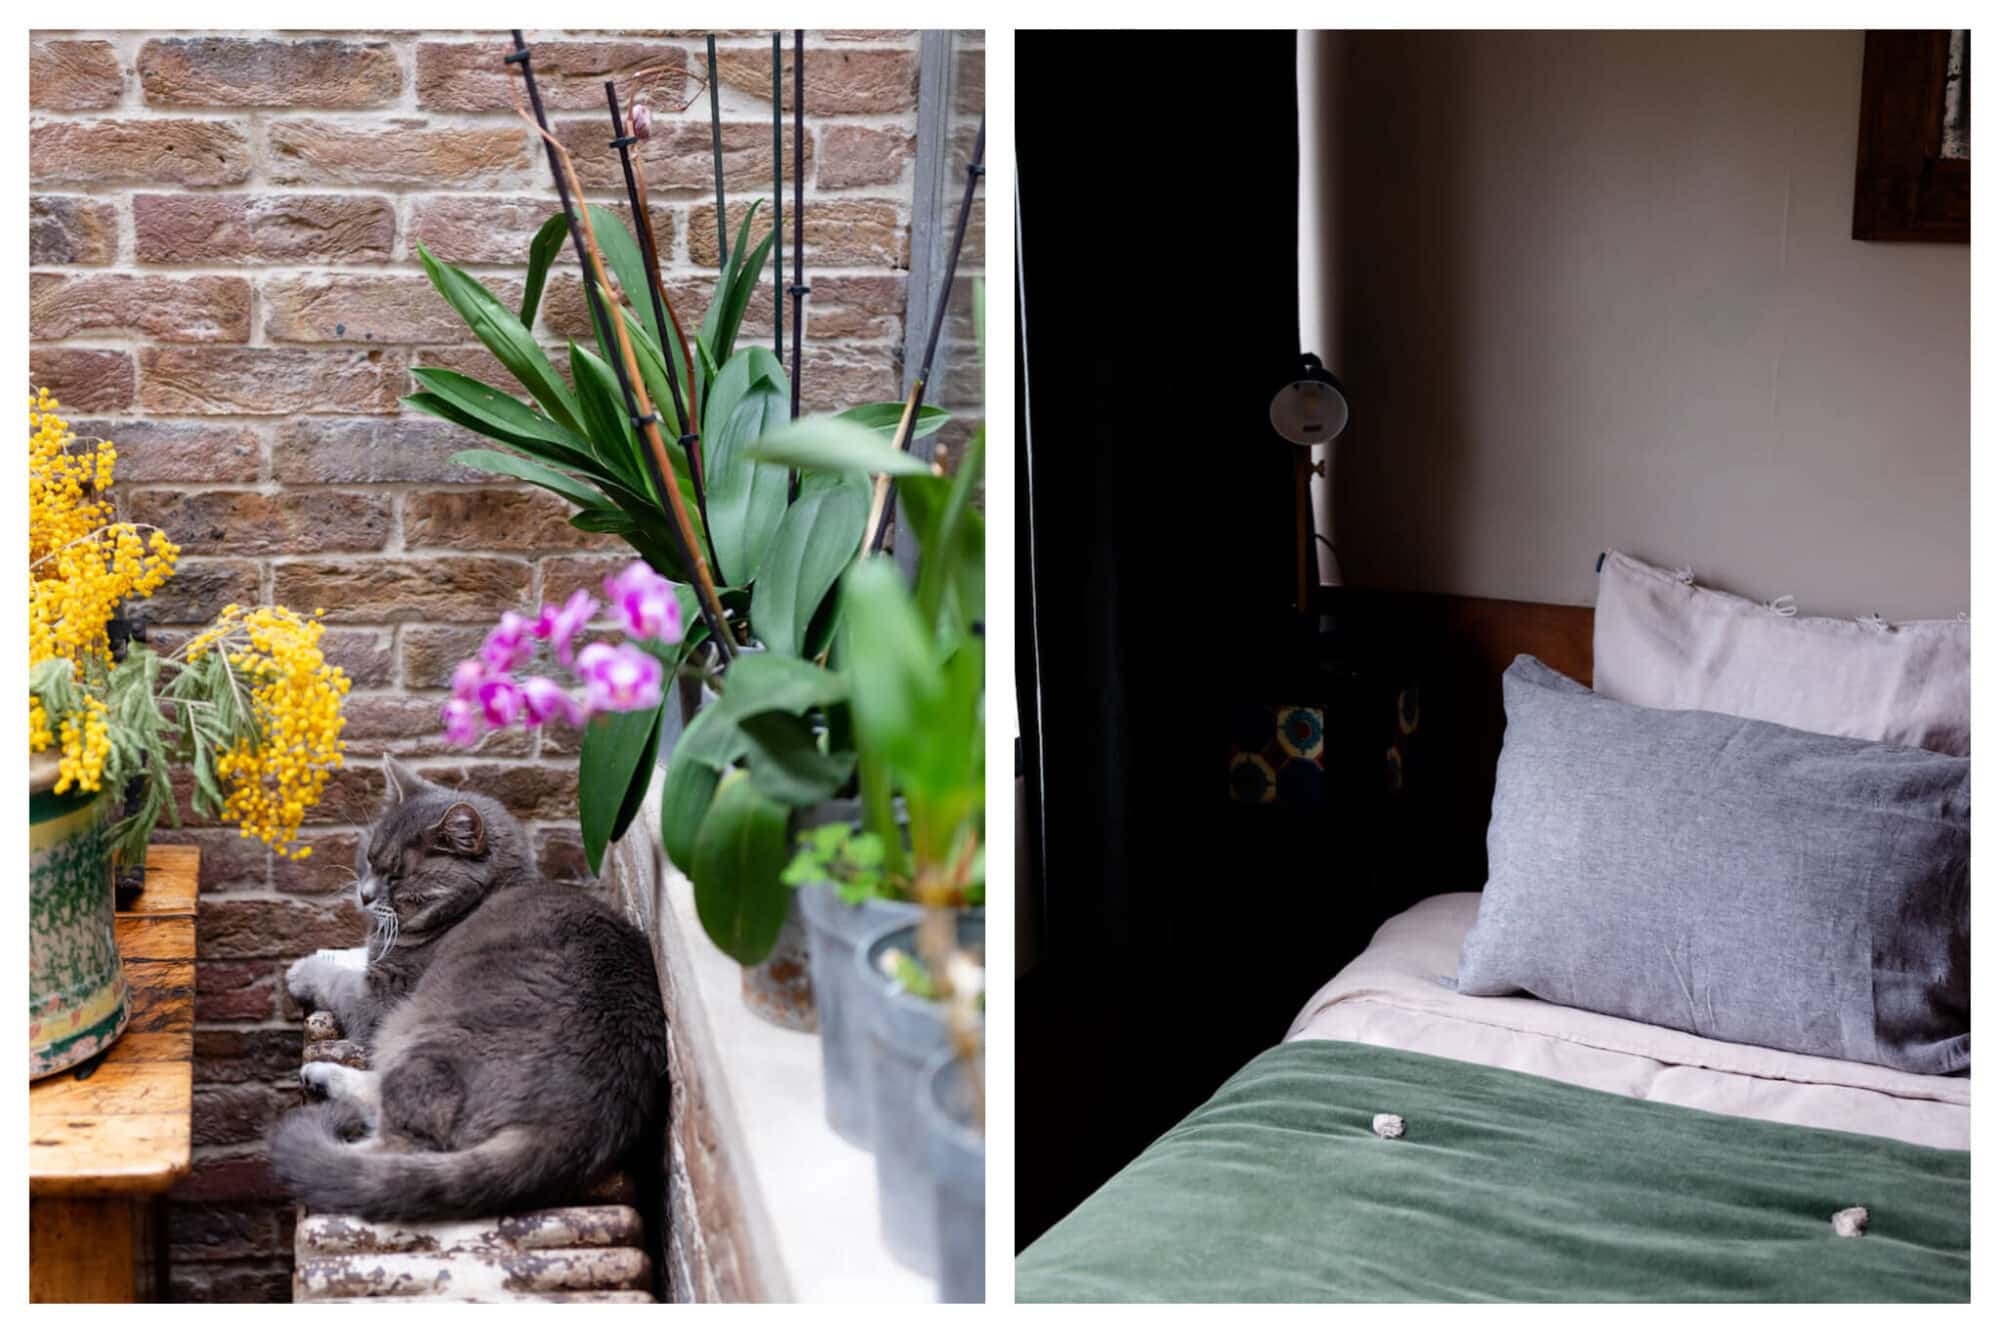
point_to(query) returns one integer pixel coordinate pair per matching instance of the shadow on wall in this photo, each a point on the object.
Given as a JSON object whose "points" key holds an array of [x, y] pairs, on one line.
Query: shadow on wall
{"points": [[1599, 289]]}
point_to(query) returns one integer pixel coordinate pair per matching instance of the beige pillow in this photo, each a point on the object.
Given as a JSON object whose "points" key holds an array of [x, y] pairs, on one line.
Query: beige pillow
{"points": [[1662, 642]]}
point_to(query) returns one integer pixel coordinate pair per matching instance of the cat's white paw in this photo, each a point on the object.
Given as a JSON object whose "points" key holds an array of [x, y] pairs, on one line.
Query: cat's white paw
{"points": [[302, 980]]}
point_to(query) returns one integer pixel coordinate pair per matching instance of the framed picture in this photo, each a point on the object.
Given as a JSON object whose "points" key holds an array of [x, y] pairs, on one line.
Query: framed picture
{"points": [[1913, 166]]}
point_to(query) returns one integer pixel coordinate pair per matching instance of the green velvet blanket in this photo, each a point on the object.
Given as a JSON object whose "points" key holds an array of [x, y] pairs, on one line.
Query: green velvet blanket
{"points": [[1504, 1186]]}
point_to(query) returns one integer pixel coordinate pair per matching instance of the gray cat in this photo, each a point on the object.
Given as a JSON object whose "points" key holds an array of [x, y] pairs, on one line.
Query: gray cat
{"points": [[518, 1043]]}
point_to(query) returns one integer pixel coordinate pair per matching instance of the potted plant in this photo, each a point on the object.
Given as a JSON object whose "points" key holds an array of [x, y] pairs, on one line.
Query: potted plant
{"points": [[248, 708]]}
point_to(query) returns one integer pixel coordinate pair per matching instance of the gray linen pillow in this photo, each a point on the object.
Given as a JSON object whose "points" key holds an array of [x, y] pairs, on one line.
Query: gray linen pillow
{"points": [[1727, 877]]}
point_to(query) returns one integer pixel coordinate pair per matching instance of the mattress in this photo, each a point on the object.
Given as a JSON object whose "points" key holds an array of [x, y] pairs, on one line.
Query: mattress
{"points": [[1393, 995]]}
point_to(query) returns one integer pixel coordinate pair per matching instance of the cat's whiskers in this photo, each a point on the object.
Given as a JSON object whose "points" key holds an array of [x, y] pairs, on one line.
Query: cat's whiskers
{"points": [[386, 928]]}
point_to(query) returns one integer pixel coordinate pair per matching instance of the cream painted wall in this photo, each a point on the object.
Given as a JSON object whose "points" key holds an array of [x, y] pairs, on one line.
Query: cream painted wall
{"points": [[1597, 289]]}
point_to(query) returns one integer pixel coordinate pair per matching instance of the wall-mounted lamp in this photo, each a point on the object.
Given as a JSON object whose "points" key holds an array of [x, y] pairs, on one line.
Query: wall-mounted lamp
{"points": [[1309, 410]]}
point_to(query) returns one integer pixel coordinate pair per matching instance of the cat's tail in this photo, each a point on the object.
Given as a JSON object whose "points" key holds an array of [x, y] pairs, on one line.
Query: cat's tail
{"points": [[328, 1175]]}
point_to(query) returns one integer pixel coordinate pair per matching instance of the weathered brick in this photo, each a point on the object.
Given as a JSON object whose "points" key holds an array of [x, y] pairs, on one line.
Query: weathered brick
{"points": [[968, 83], [197, 310], [465, 588], [878, 36], [71, 229], [227, 928], [400, 152], [857, 307], [245, 1055], [430, 652], [474, 76], [205, 1233], [235, 992], [495, 520], [838, 375], [263, 228], [405, 724], [230, 863], [232, 1284], [353, 795], [677, 157], [239, 1176], [252, 523], [237, 1113], [354, 307], [149, 151], [367, 450], [837, 81], [368, 656], [840, 233], [529, 791], [83, 379], [330, 868], [74, 75], [851, 155], [559, 856], [258, 71], [565, 308], [194, 451], [563, 575], [199, 590], [496, 229], [271, 381]]}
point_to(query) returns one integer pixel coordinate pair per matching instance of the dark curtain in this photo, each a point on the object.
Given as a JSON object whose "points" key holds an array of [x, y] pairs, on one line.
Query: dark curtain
{"points": [[1157, 181]]}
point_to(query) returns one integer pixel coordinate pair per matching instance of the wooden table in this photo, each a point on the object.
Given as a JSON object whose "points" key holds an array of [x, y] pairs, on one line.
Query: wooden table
{"points": [[105, 1142]]}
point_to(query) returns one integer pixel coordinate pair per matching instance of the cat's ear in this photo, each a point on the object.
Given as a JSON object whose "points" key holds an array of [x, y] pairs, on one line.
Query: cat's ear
{"points": [[403, 781], [461, 832]]}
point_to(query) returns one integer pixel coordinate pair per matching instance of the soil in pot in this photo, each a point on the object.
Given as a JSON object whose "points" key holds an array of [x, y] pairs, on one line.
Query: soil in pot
{"points": [[836, 928], [946, 1097], [905, 1033]]}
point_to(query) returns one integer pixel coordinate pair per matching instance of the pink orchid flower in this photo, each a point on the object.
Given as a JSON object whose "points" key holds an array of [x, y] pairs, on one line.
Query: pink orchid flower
{"points": [[500, 701], [560, 625], [645, 603], [543, 699], [619, 679], [508, 646], [462, 723]]}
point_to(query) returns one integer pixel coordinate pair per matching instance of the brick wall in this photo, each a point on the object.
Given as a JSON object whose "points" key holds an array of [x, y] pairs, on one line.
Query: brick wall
{"points": [[224, 282]]}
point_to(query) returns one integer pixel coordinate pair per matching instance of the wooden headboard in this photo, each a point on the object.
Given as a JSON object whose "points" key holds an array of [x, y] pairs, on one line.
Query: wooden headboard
{"points": [[1466, 643]]}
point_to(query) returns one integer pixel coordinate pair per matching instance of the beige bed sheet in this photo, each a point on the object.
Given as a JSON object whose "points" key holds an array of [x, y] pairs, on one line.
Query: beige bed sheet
{"points": [[1391, 996]]}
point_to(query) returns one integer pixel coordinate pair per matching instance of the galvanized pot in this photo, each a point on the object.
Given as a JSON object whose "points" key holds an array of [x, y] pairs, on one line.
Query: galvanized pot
{"points": [[77, 998], [945, 1101], [836, 928], [783, 989], [904, 1034]]}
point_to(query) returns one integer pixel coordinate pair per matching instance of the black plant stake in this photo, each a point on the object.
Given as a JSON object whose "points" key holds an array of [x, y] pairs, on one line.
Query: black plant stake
{"points": [[718, 627], [885, 486], [799, 287], [715, 141], [778, 195]]}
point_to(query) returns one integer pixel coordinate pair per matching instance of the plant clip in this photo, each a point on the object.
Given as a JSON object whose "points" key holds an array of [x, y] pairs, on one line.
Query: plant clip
{"points": [[652, 418], [519, 57], [687, 439], [625, 141], [799, 288]]}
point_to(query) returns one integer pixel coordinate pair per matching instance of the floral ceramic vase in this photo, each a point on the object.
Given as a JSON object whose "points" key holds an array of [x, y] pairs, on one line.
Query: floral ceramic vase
{"points": [[77, 999]]}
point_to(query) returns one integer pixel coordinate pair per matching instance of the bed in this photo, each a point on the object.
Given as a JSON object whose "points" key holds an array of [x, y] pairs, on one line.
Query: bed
{"points": [[1548, 1154], [1408, 1142]]}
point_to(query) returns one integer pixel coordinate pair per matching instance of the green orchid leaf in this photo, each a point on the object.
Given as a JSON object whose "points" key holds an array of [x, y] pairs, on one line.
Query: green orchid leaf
{"points": [[739, 856], [618, 750], [786, 763], [884, 417], [829, 444], [686, 792], [549, 240], [814, 543], [505, 336]]}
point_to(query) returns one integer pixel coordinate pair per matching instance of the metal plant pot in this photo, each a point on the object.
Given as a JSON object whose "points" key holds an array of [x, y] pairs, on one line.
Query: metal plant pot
{"points": [[836, 928], [905, 1033], [77, 998], [945, 1101], [780, 989]]}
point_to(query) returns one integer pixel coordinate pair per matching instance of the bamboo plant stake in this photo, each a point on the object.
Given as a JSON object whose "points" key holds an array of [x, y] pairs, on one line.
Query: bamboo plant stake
{"points": [[663, 307], [882, 508], [595, 284], [715, 144]]}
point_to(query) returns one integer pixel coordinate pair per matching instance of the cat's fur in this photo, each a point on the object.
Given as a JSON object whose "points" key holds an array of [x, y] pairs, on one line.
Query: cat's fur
{"points": [[517, 1040]]}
